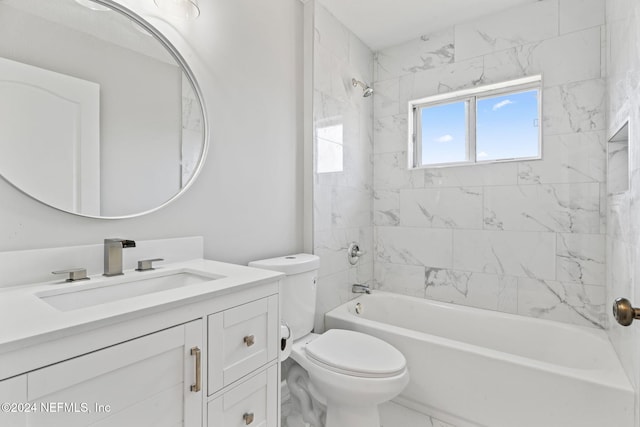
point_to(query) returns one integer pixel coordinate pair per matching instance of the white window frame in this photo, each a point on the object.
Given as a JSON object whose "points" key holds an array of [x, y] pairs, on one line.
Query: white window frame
{"points": [[470, 96]]}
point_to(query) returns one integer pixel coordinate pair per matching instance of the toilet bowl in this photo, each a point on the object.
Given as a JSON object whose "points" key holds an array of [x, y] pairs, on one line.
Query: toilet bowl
{"points": [[351, 372]]}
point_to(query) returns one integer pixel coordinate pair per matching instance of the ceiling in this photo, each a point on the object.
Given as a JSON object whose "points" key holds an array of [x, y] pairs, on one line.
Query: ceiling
{"points": [[383, 23]]}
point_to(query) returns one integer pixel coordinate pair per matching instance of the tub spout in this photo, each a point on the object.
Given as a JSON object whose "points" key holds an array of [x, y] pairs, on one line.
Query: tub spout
{"points": [[360, 288]]}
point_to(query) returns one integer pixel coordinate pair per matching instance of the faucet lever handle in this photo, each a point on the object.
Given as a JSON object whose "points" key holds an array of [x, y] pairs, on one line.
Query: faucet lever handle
{"points": [[147, 264], [354, 253], [74, 274]]}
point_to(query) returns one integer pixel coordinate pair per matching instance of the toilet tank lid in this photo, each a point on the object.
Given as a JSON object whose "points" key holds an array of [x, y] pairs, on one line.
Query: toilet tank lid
{"points": [[289, 264]]}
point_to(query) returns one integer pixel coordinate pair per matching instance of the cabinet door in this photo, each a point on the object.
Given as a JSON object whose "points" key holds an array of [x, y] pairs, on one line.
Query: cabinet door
{"points": [[241, 340], [13, 395], [253, 402], [143, 382]]}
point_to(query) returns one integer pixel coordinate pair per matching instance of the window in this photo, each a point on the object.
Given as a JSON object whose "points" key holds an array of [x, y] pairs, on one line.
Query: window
{"points": [[499, 122]]}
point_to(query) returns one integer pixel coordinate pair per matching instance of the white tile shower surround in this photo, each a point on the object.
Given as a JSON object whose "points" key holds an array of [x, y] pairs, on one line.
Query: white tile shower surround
{"points": [[623, 210], [543, 254], [618, 161], [342, 200], [520, 237]]}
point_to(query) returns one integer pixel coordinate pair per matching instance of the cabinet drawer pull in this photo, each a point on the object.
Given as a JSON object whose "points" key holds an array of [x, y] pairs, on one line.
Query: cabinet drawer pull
{"points": [[249, 340], [248, 418], [195, 351]]}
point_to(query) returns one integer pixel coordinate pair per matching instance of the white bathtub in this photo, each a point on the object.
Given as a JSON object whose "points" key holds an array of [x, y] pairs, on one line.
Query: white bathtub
{"points": [[474, 367]]}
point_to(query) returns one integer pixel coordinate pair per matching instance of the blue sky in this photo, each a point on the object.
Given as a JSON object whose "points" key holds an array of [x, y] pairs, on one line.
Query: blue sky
{"points": [[506, 128], [444, 133]]}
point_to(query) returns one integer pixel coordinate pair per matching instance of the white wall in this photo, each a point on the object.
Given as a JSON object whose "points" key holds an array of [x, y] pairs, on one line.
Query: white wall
{"points": [[247, 202], [519, 237], [623, 232]]}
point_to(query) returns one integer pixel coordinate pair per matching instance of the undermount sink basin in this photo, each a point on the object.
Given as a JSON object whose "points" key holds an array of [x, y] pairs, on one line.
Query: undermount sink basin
{"points": [[87, 294]]}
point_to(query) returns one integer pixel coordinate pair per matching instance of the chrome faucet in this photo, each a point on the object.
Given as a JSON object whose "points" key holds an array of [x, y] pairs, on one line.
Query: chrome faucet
{"points": [[113, 255], [360, 288]]}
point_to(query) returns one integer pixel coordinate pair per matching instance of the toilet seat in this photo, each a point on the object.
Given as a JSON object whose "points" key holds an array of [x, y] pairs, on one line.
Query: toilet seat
{"points": [[355, 354]]}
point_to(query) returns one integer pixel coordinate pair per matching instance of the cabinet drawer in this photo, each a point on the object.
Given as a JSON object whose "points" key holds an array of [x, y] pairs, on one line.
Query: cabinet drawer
{"points": [[241, 340], [253, 402]]}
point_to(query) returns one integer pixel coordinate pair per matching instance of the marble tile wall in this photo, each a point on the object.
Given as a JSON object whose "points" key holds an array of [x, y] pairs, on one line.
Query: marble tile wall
{"points": [[342, 199], [522, 237], [623, 207]]}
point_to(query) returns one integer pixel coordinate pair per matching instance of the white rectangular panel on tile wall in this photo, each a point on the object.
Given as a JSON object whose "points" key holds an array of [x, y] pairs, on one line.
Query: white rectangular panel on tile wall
{"points": [[511, 28], [571, 208], [454, 207], [515, 253]]}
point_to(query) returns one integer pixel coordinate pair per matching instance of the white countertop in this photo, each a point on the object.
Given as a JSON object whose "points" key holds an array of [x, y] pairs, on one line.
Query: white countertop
{"points": [[26, 319]]}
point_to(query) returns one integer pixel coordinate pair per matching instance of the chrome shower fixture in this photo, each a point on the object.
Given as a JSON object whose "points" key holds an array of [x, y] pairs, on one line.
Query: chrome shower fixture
{"points": [[366, 89]]}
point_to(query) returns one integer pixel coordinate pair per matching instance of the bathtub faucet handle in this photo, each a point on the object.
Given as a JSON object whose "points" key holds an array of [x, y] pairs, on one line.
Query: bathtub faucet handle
{"points": [[354, 253], [360, 288]]}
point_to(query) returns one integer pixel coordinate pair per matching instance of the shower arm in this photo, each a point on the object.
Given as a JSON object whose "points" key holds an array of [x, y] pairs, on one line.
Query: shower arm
{"points": [[357, 83], [366, 89]]}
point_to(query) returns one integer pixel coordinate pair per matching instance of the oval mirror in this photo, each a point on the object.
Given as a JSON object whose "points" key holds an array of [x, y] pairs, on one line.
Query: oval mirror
{"points": [[100, 115]]}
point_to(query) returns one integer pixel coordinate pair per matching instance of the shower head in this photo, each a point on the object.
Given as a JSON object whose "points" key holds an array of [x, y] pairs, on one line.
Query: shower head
{"points": [[366, 89]]}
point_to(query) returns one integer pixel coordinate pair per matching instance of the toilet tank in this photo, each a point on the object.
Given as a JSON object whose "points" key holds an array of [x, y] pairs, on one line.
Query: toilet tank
{"points": [[298, 291]]}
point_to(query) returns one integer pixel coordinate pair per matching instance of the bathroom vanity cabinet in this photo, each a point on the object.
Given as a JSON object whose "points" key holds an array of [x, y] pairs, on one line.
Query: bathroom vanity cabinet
{"points": [[210, 362], [146, 378]]}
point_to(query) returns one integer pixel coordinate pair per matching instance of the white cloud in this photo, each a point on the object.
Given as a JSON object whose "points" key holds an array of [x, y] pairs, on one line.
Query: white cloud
{"points": [[444, 138], [482, 155], [501, 104]]}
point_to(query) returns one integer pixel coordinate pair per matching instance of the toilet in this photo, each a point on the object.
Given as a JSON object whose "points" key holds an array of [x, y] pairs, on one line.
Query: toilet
{"points": [[350, 371]]}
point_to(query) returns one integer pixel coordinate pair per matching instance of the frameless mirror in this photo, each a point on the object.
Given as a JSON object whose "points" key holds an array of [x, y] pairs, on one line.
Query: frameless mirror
{"points": [[100, 115]]}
